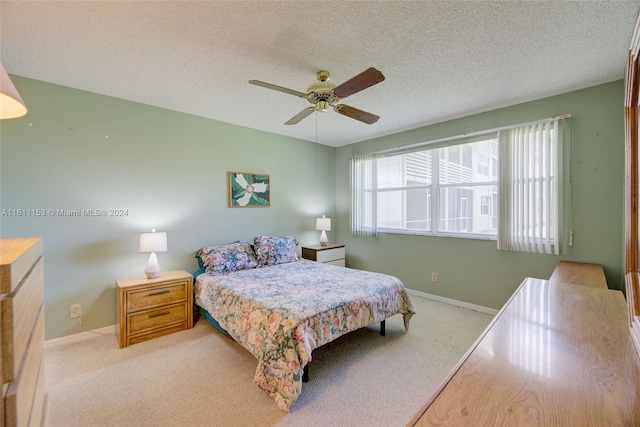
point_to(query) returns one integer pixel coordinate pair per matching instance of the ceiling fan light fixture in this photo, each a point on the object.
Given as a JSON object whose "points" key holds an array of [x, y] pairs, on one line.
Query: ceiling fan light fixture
{"points": [[323, 106]]}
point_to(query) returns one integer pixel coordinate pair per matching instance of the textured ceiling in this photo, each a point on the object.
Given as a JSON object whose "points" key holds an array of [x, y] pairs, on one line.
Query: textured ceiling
{"points": [[441, 60]]}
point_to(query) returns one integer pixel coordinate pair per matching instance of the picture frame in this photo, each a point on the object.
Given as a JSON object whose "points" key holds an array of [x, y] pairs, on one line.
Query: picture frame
{"points": [[249, 190]]}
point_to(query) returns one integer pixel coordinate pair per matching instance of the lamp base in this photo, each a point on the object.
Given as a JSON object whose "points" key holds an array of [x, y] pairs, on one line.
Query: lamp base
{"points": [[323, 239], [153, 268]]}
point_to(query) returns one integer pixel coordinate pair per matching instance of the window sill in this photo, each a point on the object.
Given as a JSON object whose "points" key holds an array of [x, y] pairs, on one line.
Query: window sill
{"points": [[430, 234]]}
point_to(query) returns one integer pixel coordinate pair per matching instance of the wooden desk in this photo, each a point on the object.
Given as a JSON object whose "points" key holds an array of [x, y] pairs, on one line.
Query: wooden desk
{"points": [[579, 273], [553, 356]]}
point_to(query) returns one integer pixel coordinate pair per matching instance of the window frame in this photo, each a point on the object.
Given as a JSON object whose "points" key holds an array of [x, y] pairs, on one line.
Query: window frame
{"points": [[435, 187]]}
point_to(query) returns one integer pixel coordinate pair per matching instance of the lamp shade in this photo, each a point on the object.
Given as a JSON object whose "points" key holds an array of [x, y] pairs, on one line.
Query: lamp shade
{"points": [[323, 224], [153, 242], [11, 104]]}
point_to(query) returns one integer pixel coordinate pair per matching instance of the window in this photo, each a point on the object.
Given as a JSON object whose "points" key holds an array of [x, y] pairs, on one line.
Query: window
{"points": [[436, 191], [485, 202], [482, 165], [505, 185]]}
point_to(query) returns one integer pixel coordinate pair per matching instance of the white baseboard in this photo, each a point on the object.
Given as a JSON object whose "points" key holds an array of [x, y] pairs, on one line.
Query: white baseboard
{"points": [[111, 330], [462, 304], [69, 339]]}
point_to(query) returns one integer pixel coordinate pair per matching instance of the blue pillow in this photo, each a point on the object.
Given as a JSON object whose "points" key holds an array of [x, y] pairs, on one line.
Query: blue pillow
{"points": [[225, 258], [275, 250]]}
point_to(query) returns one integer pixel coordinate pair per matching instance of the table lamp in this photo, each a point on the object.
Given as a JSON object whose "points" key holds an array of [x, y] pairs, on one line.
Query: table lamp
{"points": [[323, 224], [11, 104], [153, 242]]}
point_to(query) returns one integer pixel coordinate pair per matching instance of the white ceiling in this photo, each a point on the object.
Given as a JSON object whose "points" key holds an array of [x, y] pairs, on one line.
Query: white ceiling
{"points": [[441, 60]]}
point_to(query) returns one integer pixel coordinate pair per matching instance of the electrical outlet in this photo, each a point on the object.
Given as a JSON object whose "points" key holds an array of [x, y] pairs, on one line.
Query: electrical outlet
{"points": [[434, 277], [75, 310]]}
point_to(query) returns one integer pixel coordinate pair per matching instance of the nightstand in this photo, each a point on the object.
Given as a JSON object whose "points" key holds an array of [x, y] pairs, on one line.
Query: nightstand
{"points": [[330, 254], [150, 308]]}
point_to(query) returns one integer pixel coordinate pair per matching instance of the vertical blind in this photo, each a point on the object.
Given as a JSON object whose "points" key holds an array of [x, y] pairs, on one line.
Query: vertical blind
{"points": [[531, 187], [364, 196]]}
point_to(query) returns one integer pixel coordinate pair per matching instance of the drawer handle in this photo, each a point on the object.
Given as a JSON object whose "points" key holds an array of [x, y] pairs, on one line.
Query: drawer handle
{"points": [[164, 313], [165, 291]]}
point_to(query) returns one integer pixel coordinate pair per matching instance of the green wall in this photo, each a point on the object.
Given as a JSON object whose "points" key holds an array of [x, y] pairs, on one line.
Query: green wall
{"points": [[167, 169], [474, 271]]}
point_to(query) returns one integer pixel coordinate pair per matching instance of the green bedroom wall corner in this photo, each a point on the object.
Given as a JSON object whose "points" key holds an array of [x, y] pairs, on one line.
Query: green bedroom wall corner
{"points": [[474, 271], [154, 168]]}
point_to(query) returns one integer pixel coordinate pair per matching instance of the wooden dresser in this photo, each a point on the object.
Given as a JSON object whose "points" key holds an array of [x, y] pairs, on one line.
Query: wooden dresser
{"points": [[22, 332], [150, 308], [553, 356], [579, 273]]}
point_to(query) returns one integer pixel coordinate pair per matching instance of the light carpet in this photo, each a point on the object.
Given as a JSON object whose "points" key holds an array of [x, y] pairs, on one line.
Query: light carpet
{"points": [[200, 377]]}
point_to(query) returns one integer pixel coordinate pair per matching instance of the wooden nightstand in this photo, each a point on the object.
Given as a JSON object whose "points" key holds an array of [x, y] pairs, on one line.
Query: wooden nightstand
{"points": [[150, 308], [330, 254]]}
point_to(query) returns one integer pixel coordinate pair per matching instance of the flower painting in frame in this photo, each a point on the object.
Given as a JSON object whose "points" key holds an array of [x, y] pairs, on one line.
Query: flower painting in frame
{"points": [[248, 190]]}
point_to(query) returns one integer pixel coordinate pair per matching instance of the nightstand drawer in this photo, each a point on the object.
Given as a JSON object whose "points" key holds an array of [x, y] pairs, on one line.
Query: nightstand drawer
{"points": [[135, 339], [157, 295], [152, 319], [330, 254]]}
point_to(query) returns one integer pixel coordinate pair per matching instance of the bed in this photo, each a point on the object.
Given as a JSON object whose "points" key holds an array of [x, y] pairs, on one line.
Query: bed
{"points": [[281, 309]]}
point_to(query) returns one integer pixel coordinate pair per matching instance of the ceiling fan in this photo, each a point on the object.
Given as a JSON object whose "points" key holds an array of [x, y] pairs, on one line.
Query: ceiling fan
{"points": [[323, 94]]}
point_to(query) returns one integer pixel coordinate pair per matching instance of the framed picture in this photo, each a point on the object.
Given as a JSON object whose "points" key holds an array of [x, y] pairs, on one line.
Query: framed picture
{"points": [[249, 190]]}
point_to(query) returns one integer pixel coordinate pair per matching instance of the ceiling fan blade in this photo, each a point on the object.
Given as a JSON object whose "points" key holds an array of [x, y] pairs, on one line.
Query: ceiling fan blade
{"points": [[365, 79], [301, 115], [278, 88], [354, 113]]}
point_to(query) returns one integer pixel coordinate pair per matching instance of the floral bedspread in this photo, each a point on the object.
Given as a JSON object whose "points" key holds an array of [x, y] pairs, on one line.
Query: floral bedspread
{"points": [[282, 312]]}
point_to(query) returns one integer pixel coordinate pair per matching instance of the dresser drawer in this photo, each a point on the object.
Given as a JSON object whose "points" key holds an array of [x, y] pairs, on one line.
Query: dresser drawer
{"points": [[157, 295], [330, 255], [24, 394], [37, 411], [18, 256], [157, 318], [19, 312]]}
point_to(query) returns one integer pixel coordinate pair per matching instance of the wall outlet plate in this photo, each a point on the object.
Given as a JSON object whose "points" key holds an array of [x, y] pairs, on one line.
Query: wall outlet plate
{"points": [[75, 310]]}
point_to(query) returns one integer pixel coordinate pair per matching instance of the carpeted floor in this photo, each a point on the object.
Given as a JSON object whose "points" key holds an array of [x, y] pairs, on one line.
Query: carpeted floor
{"points": [[202, 378]]}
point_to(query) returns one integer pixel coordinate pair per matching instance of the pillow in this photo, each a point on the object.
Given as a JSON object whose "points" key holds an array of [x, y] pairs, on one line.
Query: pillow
{"points": [[275, 250], [229, 257]]}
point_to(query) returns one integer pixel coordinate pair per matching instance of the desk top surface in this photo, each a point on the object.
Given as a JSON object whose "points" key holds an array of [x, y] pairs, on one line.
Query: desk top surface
{"points": [[554, 355]]}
